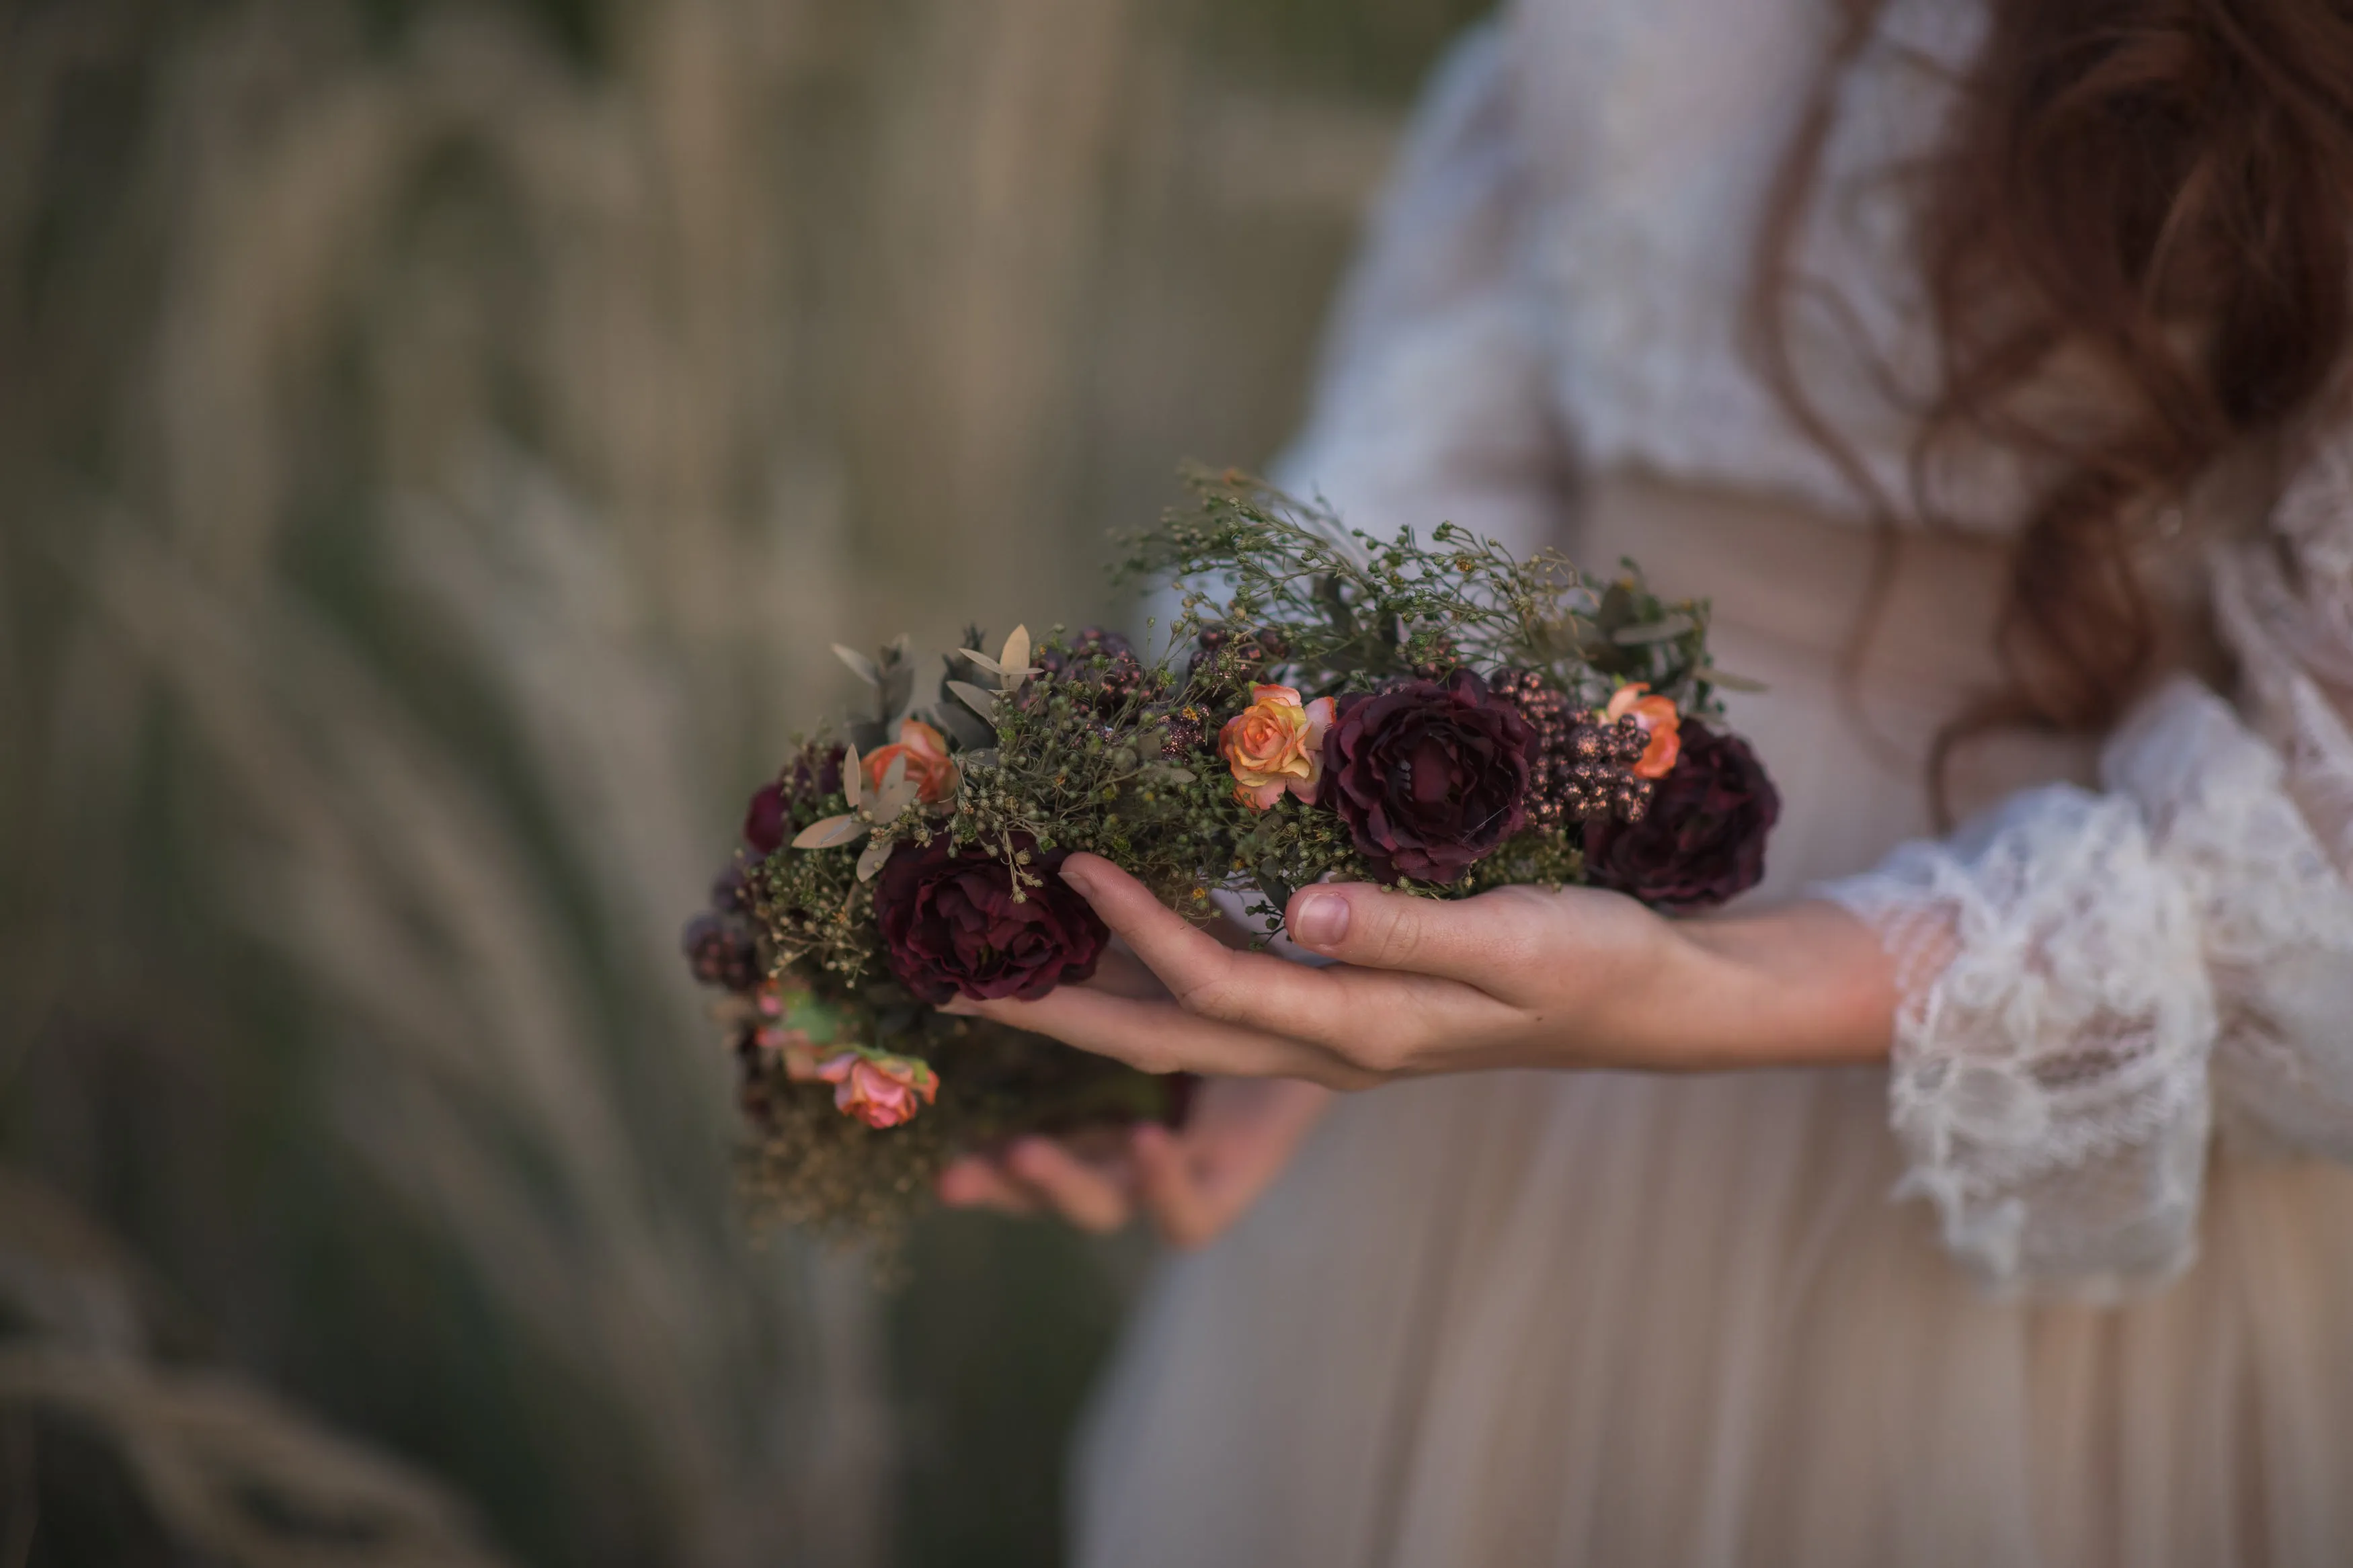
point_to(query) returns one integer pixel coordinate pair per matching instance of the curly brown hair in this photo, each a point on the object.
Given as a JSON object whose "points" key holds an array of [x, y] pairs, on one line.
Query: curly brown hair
{"points": [[2158, 192]]}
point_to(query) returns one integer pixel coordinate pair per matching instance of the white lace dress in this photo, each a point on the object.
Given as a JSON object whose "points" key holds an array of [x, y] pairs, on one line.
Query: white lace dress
{"points": [[1620, 1319]]}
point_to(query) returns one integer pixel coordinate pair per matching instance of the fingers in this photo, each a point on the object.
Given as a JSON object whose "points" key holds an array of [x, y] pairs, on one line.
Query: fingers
{"points": [[1090, 1198], [1186, 957], [1353, 1017], [1040, 1174], [973, 1182], [1171, 1191], [1160, 1037], [1484, 942]]}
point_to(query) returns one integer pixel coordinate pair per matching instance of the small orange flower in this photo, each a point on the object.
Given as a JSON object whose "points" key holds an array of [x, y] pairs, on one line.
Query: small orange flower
{"points": [[928, 763], [1659, 721], [1276, 745], [880, 1091]]}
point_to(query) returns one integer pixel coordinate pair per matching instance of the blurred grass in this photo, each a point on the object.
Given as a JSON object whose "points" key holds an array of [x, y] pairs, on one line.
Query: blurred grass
{"points": [[438, 441]]}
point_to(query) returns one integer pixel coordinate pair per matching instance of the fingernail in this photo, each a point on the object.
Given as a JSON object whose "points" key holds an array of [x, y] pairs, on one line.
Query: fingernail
{"points": [[1076, 876], [1320, 919]]}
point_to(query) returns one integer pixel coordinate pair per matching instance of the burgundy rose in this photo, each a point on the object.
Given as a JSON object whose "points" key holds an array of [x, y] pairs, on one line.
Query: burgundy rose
{"points": [[950, 924], [1703, 839], [765, 819], [814, 773], [1429, 775]]}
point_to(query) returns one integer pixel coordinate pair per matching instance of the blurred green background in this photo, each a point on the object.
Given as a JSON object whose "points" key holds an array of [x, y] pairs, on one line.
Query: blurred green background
{"points": [[437, 443]]}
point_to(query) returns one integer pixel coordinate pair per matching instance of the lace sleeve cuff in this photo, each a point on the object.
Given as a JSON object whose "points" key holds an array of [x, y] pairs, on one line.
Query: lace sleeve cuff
{"points": [[2086, 978], [2049, 1075]]}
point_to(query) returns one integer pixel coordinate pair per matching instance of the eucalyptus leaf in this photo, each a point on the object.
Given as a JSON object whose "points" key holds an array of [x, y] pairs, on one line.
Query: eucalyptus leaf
{"points": [[1616, 609], [1170, 774], [870, 858], [958, 722], [1276, 891], [897, 693], [1662, 630], [1017, 650], [830, 833], [853, 777], [868, 733], [860, 665], [1729, 681], [894, 799], [973, 698]]}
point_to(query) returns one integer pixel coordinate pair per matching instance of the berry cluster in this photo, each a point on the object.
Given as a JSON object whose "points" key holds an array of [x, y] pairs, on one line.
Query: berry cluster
{"points": [[721, 945], [1185, 731], [1585, 763], [1233, 658], [1101, 659]]}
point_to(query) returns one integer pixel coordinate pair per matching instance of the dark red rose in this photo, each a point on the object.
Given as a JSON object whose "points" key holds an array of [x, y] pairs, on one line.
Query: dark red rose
{"points": [[1429, 775], [765, 818], [814, 773], [1703, 839], [950, 924]]}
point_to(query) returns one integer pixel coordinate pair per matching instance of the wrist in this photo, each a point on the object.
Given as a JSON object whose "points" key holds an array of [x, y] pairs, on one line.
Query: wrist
{"points": [[1804, 984]]}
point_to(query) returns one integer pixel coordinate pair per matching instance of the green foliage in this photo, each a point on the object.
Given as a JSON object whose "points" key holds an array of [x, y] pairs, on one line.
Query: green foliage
{"points": [[1082, 744], [1358, 609]]}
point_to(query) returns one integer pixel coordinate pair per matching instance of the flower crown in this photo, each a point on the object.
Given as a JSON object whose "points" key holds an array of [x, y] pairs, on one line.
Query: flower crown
{"points": [[1438, 717]]}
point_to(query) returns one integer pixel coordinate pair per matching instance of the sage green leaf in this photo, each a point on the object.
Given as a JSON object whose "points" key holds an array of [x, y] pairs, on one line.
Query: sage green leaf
{"points": [[860, 665], [973, 698], [830, 833], [895, 798], [956, 722], [870, 858], [853, 777], [1661, 630]]}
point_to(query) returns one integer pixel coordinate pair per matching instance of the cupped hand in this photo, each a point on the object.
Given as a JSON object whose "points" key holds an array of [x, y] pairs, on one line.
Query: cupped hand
{"points": [[1191, 1183], [1514, 977]]}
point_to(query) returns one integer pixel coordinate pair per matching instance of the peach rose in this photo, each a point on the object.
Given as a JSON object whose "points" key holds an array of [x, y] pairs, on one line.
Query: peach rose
{"points": [[1657, 717], [928, 763], [1276, 745], [880, 1091]]}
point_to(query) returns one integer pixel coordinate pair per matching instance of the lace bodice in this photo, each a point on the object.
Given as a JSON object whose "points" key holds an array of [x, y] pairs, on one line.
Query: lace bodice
{"points": [[2094, 981]]}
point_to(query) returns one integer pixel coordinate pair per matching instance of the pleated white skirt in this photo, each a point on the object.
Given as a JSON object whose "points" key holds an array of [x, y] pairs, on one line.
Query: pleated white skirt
{"points": [[1610, 1319]]}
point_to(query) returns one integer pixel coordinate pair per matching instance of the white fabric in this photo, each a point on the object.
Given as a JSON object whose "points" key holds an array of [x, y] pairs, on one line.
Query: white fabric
{"points": [[1600, 1318], [1572, 300]]}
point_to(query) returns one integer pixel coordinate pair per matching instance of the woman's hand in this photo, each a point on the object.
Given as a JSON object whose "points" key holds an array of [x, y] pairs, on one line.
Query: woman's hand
{"points": [[1515, 977], [1191, 1182]]}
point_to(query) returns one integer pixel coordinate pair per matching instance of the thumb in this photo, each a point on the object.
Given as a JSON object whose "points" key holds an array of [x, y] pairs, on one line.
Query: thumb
{"points": [[1458, 939]]}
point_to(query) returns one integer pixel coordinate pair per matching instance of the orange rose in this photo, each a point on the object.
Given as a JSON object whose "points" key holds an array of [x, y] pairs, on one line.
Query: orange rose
{"points": [[1657, 717], [880, 1091], [928, 763], [1276, 745]]}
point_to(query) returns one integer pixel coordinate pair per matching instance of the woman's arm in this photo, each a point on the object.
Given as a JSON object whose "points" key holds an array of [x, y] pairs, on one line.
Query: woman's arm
{"points": [[1514, 978]]}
